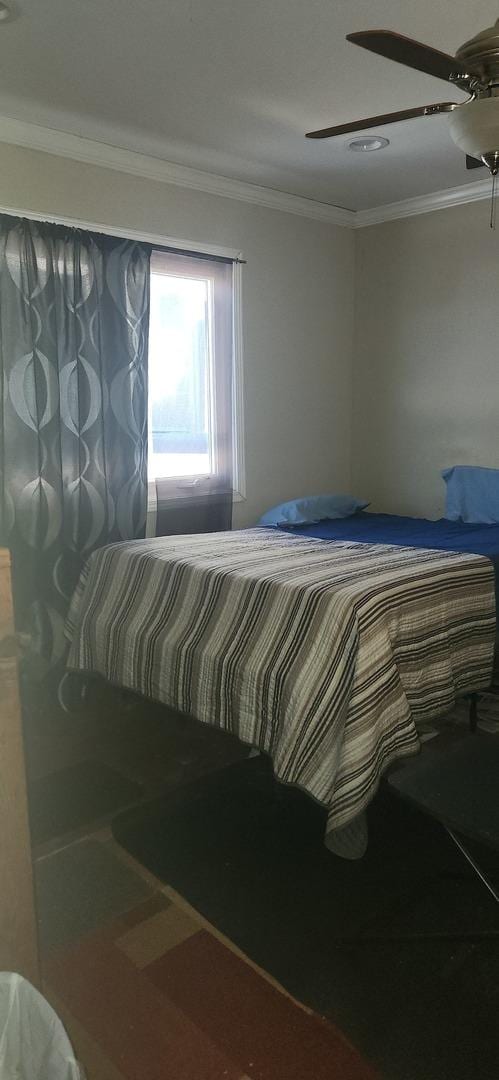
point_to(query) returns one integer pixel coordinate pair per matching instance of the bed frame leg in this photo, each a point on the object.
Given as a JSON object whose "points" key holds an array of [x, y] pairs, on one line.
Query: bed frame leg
{"points": [[473, 718]]}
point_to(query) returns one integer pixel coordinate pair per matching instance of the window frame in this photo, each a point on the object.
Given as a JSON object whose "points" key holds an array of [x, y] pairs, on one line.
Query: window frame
{"points": [[205, 266]]}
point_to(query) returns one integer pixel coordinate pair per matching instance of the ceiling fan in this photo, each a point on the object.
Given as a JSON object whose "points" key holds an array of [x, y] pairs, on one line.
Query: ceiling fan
{"points": [[474, 123]]}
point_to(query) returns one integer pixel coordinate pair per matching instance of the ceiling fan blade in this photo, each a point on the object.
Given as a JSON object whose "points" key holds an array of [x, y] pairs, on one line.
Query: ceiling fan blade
{"points": [[474, 163], [378, 121], [409, 52]]}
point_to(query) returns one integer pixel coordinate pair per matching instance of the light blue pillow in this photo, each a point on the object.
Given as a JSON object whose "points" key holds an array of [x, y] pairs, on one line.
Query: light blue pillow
{"points": [[472, 494], [313, 508]]}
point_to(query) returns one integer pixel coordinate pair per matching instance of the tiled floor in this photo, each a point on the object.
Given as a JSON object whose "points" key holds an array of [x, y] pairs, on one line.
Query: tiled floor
{"points": [[151, 990], [399, 949], [127, 961], [146, 987]]}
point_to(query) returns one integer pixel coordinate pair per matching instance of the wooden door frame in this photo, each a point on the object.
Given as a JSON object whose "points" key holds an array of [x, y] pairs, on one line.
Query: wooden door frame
{"points": [[18, 936]]}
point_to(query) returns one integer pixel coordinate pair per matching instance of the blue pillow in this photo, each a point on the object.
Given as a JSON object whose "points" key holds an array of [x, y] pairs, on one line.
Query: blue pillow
{"points": [[313, 508], [472, 494]]}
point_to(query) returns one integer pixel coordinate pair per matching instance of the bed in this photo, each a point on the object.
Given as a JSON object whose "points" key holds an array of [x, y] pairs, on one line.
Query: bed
{"points": [[442, 535], [322, 646]]}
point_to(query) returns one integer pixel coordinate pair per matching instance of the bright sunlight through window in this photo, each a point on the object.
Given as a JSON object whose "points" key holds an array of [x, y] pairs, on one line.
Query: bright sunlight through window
{"points": [[180, 377]]}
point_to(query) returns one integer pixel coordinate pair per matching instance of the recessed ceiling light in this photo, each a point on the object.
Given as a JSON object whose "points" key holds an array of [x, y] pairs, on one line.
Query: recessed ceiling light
{"points": [[367, 143], [6, 12]]}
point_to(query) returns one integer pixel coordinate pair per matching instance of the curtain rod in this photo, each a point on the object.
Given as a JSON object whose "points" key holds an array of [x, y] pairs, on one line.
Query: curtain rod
{"points": [[141, 237], [199, 255]]}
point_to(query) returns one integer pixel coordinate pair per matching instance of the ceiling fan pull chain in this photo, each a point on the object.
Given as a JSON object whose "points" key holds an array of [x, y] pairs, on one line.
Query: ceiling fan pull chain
{"points": [[493, 203]]}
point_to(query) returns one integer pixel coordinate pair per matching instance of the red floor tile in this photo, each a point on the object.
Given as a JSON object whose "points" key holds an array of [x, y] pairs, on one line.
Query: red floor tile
{"points": [[143, 1033], [267, 1034]]}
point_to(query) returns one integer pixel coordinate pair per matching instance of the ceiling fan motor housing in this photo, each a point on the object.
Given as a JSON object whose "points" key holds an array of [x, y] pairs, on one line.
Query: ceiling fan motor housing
{"points": [[482, 53]]}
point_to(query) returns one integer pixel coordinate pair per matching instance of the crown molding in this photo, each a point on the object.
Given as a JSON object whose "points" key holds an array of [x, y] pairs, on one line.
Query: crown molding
{"points": [[63, 144], [92, 152], [423, 204]]}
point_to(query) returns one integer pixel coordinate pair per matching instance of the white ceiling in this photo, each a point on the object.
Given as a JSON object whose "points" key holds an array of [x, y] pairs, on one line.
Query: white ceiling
{"points": [[231, 86]]}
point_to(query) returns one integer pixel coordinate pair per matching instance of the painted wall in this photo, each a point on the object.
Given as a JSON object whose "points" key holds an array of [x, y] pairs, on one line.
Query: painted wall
{"points": [[298, 295], [426, 379]]}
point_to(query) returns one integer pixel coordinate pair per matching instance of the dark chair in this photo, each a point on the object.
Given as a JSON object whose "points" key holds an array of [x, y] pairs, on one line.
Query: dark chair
{"points": [[460, 788]]}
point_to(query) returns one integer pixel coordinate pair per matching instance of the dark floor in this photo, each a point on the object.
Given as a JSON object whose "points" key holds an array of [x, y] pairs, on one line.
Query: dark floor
{"points": [[149, 990], [142, 743], [401, 950]]}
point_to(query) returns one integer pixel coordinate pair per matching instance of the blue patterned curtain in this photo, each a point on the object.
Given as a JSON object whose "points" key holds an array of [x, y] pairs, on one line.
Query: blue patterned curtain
{"points": [[74, 316]]}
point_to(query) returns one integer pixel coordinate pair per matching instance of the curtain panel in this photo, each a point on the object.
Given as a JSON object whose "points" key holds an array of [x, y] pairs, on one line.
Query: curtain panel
{"points": [[74, 317]]}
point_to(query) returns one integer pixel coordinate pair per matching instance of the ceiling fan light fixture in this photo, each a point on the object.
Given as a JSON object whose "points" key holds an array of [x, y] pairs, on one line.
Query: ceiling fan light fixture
{"points": [[6, 12], [474, 127], [367, 143]]}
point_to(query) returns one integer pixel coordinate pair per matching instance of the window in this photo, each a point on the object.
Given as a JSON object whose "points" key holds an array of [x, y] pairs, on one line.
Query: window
{"points": [[190, 372]]}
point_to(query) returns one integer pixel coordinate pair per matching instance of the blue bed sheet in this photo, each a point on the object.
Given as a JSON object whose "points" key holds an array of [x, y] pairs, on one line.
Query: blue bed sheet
{"points": [[443, 535]]}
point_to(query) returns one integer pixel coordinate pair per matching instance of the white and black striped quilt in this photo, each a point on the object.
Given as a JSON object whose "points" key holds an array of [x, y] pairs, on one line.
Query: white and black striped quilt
{"points": [[324, 654]]}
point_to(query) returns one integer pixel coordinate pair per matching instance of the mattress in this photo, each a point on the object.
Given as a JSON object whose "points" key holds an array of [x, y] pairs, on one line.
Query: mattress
{"points": [[440, 535]]}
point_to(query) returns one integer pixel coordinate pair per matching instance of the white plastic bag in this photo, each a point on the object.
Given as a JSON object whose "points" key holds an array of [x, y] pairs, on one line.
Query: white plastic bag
{"points": [[33, 1042]]}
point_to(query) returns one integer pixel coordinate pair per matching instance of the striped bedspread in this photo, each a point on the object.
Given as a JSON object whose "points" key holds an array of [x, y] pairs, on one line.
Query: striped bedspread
{"points": [[324, 654]]}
